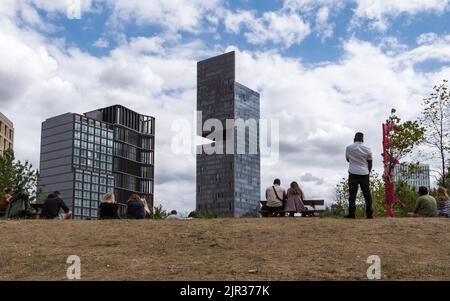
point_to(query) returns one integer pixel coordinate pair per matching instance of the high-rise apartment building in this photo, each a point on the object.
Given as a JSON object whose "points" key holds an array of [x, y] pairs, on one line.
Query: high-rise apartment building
{"points": [[134, 150], [86, 156], [227, 183], [6, 134], [415, 177]]}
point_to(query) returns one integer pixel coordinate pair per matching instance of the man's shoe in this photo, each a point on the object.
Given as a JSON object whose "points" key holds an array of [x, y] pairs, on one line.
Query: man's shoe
{"points": [[370, 217], [350, 216]]}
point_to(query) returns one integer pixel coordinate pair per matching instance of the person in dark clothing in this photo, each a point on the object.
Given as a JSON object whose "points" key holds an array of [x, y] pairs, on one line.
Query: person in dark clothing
{"points": [[4, 200], [135, 207], [193, 214], [52, 206], [359, 158], [108, 207], [19, 205]]}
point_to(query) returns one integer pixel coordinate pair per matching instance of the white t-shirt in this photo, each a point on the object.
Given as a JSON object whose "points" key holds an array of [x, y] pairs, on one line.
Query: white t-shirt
{"points": [[357, 155], [173, 217]]}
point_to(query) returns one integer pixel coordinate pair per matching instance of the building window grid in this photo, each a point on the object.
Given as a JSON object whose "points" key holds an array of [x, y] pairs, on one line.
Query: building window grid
{"points": [[90, 150], [88, 192], [92, 155], [100, 141]]}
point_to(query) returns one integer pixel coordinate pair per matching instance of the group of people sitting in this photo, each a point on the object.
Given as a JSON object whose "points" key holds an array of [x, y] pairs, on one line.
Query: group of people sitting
{"points": [[136, 207], [279, 202], [15, 204], [428, 206]]}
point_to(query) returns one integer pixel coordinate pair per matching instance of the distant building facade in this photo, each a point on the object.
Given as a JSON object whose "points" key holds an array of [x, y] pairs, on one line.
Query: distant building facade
{"points": [[414, 177], [86, 156], [6, 134], [227, 184]]}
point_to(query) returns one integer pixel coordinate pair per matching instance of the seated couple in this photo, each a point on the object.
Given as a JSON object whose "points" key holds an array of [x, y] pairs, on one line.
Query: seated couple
{"points": [[278, 202], [428, 206]]}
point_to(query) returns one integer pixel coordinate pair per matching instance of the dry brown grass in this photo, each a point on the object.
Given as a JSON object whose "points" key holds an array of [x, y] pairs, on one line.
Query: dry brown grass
{"points": [[226, 249]]}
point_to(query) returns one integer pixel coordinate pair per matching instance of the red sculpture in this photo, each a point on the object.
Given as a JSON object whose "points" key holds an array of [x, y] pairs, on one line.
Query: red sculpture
{"points": [[389, 164]]}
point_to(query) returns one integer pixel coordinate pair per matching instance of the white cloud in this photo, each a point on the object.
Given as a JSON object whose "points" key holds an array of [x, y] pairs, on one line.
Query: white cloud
{"points": [[319, 12], [431, 38], [101, 43], [308, 177], [379, 12], [235, 21], [274, 27], [173, 15], [61, 6], [323, 26]]}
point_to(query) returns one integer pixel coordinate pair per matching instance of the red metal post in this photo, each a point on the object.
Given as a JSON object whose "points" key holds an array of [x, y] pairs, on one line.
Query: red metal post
{"points": [[389, 163]]}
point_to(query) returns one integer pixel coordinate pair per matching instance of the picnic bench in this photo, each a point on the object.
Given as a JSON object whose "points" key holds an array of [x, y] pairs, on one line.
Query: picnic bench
{"points": [[306, 213]]}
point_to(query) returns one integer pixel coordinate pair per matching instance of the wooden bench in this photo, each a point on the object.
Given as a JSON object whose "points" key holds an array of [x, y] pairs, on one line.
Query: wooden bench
{"points": [[309, 212]]}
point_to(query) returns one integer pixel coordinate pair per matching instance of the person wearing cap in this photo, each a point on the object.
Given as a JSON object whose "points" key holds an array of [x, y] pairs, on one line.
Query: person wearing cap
{"points": [[359, 158]]}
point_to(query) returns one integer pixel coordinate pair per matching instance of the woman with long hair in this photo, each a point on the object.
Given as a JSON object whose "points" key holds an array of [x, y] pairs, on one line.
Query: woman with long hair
{"points": [[295, 197], [443, 202], [108, 207]]}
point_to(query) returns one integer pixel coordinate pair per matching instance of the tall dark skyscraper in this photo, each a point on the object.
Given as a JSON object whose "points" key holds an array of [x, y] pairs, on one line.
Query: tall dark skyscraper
{"points": [[106, 150], [227, 184]]}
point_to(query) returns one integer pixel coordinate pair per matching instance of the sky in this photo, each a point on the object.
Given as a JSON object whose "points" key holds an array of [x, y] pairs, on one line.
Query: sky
{"points": [[324, 69]]}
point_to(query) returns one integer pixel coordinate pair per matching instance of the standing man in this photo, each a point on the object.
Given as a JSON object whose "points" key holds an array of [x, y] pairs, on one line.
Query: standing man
{"points": [[359, 158]]}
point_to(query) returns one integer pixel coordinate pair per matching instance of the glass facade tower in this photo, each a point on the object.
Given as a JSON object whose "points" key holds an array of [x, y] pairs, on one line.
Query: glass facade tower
{"points": [[229, 183]]}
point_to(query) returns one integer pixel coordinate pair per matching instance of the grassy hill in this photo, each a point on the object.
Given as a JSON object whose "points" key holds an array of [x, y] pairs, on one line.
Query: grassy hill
{"points": [[226, 249]]}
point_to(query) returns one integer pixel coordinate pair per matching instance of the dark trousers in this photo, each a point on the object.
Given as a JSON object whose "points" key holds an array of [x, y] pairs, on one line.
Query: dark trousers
{"points": [[272, 211], [353, 182]]}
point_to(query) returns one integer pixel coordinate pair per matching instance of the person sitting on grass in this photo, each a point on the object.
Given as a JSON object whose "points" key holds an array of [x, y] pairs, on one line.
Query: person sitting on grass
{"points": [[193, 214], [275, 196], [52, 207], [135, 207], [19, 205], [425, 205], [443, 202], [4, 200], [173, 216], [108, 207], [294, 202]]}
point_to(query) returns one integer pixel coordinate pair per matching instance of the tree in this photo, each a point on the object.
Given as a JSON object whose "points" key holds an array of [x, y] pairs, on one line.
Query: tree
{"points": [[340, 206], [408, 195], [6, 170], [158, 212], [405, 136], [399, 139], [16, 173], [436, 120]]}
